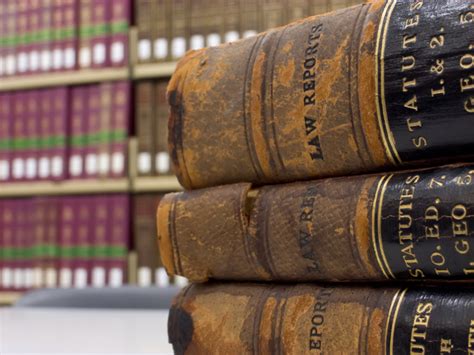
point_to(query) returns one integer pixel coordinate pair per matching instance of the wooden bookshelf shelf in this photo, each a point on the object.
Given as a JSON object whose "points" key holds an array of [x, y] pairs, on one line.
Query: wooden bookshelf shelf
{"points": [[153, 70], [63, 78], [67, 187], [8, 298], [156, 184]]}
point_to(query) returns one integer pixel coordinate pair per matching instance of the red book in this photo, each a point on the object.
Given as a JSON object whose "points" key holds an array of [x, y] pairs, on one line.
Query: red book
{"points": [[66, 242], [52, 242], [38, 233], [105, 128], [118, 239], [10, 50], [57, 23], [93, 131], [19, 234], [78, 121], [19, 136], [85, 34], [34, 35], [3, 38], [5, 136], [46, 35], [119, 25], [58, 157], [7, 244], [82, 260], [45, 134], [120, 128], [28, 244], [69, 42], [100, 230], [32, 116], [21, 33], [101, 36]]}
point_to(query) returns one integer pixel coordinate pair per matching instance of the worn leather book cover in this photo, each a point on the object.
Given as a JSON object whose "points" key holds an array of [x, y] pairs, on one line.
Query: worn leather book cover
{"points": [[144, 22], [314, 319], [342, 93], [161, 30], [403, 226]]}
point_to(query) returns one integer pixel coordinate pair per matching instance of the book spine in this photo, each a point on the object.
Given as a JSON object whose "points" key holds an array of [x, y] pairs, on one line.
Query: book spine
{"points": [[67, 242], [119, 27], [86, 31], [178, 30], [230, 12], [100, 231], [161, 29], [144, 22], [296, 10], [32, 133], [271, 14], [52, 248], [101, 35], [318, 7], [45, 36], [58, 142], [214, 24], [5, 136], [105, 129], [248, 18], [10, 45], [19, 136], [57, 27], [78, 121], [119, 240], [120, 128], [197, 24], [144, 127], [301, 319], [19, 235], [3, 38], [69, 35], [7, 240], [38, 233], [93, 132], [82, 246], [161, 156], [45, 105], [3, 258], [34, 9], [403, 226], [29, 242], [21, 28], [324, 124]]}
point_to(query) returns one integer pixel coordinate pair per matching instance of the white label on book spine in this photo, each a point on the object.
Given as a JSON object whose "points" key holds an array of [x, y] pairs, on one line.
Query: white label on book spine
{"points": [[144, 276], [65, 278], [18, 168], [249, 33], [34, 60], [2, 66], [98, 277], [75, 165], [99, 53], [118, 163], [162, 278], [19, 278], [162, 162], [92, 164], [144, 49], [45, 61], [10, 62], [197, 42], [43, 167], [144, 163], [31, 168], [85, 57], [57, 58], [51, 277], [213, 39], [104, 163], [29, 278], [80, 278], [117, 52], [178, 47], [115, 277], [57, 166], [160, 49], [22, 60], [37, 277], [69, 58], [7, 277], [231, 36], [4, 170]]}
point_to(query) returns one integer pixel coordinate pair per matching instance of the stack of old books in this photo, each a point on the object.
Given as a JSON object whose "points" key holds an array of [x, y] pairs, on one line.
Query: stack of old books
{"points": [[360, 264]]}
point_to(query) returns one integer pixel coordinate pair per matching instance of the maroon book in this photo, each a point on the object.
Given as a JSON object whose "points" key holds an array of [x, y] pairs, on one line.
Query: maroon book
{"points": [[20, 31], [7, 240], [119, 25], [34, 8], [29, 241], [118, 239], [11, 26], [78, 121], [120, 127], [56, 24], [69, 42], [92, 133], [5, 136], [45, 113], [19, 136], [32, 116], [100, 230], [38, 235], [44, 41], [101, 35], [104, 135], [19, 234], [66, 242], [81, 260], [52, 243], [58, 157], [3, 34]]}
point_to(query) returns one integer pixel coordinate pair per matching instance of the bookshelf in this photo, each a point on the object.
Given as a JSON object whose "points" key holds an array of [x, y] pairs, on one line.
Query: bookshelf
{"points": [[153, 70], [8, 298], [155, 184]]}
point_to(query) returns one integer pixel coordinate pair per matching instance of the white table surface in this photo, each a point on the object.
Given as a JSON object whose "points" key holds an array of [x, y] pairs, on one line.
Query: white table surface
{"points": [[83, 331]]}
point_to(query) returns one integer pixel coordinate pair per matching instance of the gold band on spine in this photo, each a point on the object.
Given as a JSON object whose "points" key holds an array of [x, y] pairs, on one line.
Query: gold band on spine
{"points": [[377, 241], [392, 320], [384, 126]]}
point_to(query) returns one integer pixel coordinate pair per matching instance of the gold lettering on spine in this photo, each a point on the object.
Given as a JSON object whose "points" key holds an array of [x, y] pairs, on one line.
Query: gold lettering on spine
{"points": [[392, 320], [387, 136]]}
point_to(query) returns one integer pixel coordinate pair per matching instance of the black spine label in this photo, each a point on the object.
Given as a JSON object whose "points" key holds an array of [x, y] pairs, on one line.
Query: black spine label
{"points": [[423, 224], [425, 79], [428, 321]]}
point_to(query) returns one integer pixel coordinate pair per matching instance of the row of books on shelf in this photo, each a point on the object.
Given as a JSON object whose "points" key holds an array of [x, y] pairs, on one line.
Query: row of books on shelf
{"points": [[78, 242], [56, 35], [168, 28]]}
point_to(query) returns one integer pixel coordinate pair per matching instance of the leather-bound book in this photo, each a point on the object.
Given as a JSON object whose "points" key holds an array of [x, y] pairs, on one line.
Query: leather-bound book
{"points": [[313, 319], [144, 127], [86, 32], [161, 29], [162, 162], [119, 27], [357, 90], [6, 123], [144, 22], [178, 45], [412, 225]]}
